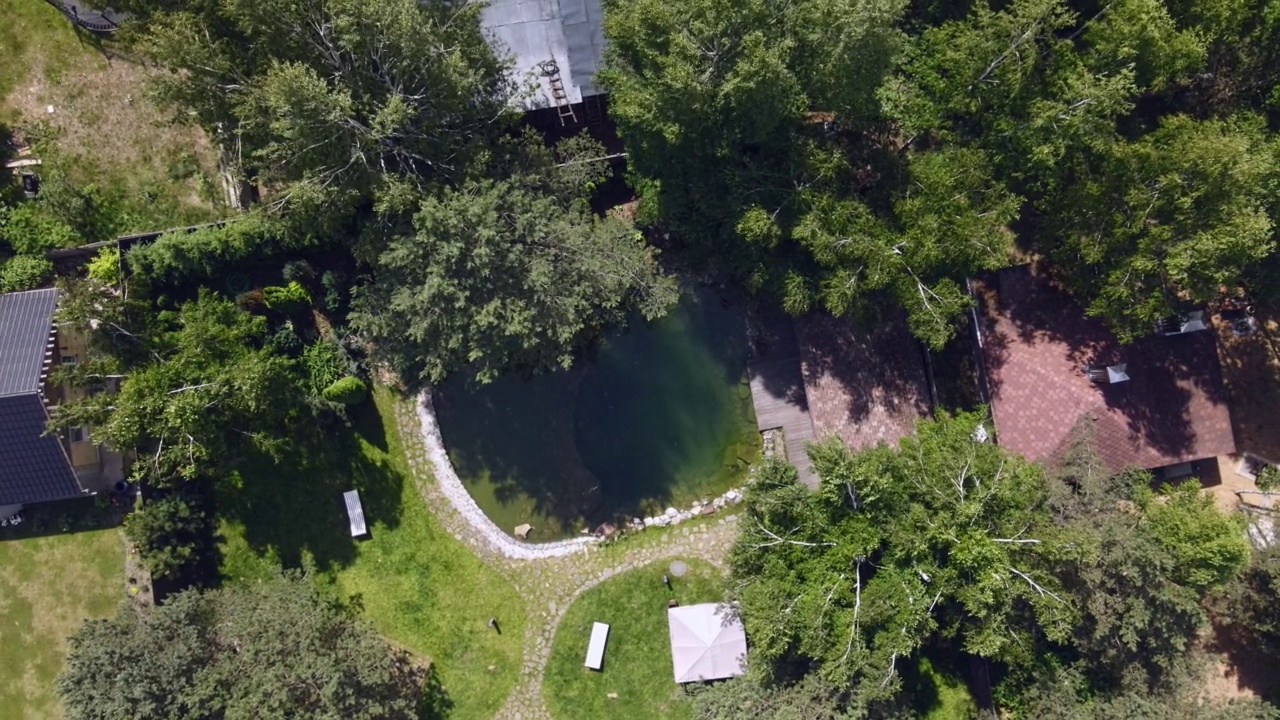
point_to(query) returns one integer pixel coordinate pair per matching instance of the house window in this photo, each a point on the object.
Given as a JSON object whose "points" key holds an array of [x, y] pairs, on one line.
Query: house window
{"points": [[79, 434], [69, 360]]}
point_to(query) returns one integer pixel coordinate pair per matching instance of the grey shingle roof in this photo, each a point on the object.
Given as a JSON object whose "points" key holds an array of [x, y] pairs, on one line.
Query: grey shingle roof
{"points": [[33, 467], [25, 319], [571, 32]]}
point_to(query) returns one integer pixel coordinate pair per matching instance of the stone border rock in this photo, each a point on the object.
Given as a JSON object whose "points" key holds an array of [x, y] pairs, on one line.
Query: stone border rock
{"points": [[451, 487]]}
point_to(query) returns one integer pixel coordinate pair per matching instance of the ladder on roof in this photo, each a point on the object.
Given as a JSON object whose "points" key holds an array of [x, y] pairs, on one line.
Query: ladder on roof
{"points": [[564, 108]]}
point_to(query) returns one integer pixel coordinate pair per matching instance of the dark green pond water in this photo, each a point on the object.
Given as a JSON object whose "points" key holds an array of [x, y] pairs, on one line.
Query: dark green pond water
{"points": [[661, 415]]}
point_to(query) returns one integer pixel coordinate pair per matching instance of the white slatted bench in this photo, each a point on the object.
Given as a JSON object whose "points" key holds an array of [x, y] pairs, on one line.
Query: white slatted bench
{"points": [[595, 649], [355, 513]]}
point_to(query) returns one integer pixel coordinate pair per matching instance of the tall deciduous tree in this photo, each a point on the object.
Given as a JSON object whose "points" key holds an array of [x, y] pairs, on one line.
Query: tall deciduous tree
{"points": [[201, 391], [1168, 219], [1138, 566], [501, 276], [950, 220], [939, 538], [272, 649], [326, 98]]}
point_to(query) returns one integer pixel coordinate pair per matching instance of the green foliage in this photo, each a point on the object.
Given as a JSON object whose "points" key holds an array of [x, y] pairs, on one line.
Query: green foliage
{"points": [[1065, 695], [87, 210], [204, 252], [349, 390], [938, 539], [105, 266], [324, 364], [31, 230], [1251, 610], [715, 135], [198, 393], [326, 109], [502, 276], [271, 649], [1208, 547], [297, 270], [1268, 478], [289, 299], [1174, 216], [24, 272], [172, 533], [1138, 566]]}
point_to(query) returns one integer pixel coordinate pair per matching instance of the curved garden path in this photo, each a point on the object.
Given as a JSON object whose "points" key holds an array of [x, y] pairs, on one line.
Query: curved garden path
{"points": [[549, 581]]}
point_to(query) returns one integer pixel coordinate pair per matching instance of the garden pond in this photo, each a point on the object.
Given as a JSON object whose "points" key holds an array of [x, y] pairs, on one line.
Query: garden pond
{"points": [[657, 415]]}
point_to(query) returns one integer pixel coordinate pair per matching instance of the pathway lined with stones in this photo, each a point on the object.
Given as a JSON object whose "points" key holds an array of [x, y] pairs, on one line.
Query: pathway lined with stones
{"points": [[550, 583]]}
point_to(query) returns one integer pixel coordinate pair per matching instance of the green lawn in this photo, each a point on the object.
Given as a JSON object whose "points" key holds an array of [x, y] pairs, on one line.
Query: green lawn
{"points": [[637, 660], [156, 173], [419, 586], [49, 584]]}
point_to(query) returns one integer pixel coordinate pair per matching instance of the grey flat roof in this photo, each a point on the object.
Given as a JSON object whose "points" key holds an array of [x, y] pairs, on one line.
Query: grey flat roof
{"points": [[33, 466], [533, 31], [25, 321]]}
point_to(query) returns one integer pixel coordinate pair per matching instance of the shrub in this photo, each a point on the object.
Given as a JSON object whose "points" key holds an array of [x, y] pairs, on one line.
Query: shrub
{"points": [[251, 302], [288, 299], [25, 272], [297, 270], [85, 209], [105, 266], [285, 341], [325, 365], [349, 390], [1269, 478], [31, 230], [334, 290], [171, 532]]}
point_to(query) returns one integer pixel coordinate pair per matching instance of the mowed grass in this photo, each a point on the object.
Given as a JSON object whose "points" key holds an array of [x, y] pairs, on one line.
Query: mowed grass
{"points": [[49, 585], [104, 130], [419, 586], [637, 659]]}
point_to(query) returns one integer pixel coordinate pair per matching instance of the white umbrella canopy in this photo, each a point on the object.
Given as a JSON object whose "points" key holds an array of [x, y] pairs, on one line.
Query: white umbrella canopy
{"points": [[707, 642]]}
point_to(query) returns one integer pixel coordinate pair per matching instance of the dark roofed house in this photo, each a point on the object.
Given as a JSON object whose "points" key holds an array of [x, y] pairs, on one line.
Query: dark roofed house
{"points": [[36, 466], [1156, 403]]}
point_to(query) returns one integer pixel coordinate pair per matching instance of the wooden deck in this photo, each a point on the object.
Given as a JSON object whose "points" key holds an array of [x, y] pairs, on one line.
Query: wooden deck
{"points": [[777, 391]]}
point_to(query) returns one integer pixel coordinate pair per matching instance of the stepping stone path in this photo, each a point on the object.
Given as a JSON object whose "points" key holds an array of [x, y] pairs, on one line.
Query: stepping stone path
{"points": [[549, 585]]}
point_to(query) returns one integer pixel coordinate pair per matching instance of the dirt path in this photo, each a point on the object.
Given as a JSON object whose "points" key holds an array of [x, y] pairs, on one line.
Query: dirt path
{"points": [[550, 583]]}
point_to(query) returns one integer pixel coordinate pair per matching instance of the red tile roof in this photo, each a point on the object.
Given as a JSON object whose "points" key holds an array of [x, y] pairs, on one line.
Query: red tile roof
{"points": [[1036, 341], [866, 386]]}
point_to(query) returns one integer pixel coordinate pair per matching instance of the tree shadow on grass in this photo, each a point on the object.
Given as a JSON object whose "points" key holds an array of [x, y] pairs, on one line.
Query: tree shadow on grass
{"points": [[294, 508], [435, 703], [61, 518], [935, 687]]}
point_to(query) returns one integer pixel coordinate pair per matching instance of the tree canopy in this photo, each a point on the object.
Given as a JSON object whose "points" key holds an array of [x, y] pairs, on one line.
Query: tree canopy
{"points": [[275, 648], [947, 543], [201, 388], [838, 154], [939, 538]]}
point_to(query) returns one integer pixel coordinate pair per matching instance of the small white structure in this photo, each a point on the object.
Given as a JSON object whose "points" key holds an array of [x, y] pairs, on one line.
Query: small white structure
{"points": [[1117, 373], [595, 649], [355, 513], [707, 642]]}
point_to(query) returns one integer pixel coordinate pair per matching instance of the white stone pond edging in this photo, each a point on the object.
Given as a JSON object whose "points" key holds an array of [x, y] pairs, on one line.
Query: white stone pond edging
{"points": [[451, 485]]}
